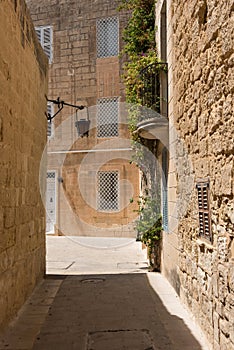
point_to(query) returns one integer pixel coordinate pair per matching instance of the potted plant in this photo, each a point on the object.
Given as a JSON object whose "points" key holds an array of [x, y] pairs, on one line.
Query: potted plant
{"points": [[149, 228]]}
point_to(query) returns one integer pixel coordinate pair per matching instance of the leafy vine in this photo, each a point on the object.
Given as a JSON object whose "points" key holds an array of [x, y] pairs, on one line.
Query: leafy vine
{"points": [[149, 224], [140, 47]]}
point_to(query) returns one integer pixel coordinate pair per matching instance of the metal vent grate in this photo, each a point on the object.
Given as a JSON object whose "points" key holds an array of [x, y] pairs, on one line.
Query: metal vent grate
{"points": [[107, 117], [108, 190], [204, 210], [107, 37]]}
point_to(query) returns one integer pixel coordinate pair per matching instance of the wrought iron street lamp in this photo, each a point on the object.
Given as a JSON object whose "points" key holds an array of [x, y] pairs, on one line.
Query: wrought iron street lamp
{"points": [[82, 125]]}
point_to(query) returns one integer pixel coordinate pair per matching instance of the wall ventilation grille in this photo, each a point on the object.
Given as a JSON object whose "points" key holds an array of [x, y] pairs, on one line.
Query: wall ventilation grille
{"points": [[203, 189]]}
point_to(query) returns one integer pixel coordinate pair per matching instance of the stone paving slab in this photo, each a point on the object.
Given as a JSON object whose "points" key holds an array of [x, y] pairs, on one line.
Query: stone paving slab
{"points": [[93, 255], [83, 307], [22, 332], [86, 312], [116, 304]]}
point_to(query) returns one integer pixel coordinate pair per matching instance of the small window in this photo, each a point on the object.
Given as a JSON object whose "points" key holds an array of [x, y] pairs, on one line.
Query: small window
{"points": [[203, 190], [50, 174], [45, 36], [107, 117], [107, 37], [108, 190], [50, 125]]}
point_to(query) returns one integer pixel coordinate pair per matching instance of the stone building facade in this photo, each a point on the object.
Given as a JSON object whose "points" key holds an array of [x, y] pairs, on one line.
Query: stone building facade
{"points": [[23, 85], [90, 179], [198, 250]]}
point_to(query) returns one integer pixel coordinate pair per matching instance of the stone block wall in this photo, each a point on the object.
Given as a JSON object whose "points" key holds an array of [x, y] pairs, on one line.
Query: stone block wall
{"points": [[170, 251], [76, 75], [23, 84], [203, 75], [79, 76]]}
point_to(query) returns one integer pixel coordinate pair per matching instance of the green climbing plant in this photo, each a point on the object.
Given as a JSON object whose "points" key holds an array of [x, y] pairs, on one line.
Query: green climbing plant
{"points": [[140, 32], [140, 48], [149, 222]]}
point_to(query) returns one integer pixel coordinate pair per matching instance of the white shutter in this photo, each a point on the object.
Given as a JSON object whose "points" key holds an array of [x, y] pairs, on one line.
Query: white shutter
{"points": [[45, 36], [50, 125], [38, 32], [47, 42]]}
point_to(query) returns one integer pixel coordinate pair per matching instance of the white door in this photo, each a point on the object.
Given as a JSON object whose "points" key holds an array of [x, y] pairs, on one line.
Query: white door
{"points": [[50, 201]]}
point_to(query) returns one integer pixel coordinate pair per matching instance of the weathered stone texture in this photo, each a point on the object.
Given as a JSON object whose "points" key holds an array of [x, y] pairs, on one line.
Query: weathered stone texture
{"points": [[75, 72], [78, 76], [23, 83], [203, 113]]}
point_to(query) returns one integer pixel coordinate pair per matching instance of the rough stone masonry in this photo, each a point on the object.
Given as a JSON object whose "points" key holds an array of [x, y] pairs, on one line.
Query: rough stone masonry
{"points": [[203, 115], [23, 84]]}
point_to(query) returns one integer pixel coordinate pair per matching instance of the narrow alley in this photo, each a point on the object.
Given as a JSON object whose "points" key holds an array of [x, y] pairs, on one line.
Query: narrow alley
{"points": [[116, 175], [81, 307]]}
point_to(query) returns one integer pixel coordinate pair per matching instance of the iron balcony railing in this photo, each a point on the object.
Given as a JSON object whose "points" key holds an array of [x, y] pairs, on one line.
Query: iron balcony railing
{"points": [[154, 90]]}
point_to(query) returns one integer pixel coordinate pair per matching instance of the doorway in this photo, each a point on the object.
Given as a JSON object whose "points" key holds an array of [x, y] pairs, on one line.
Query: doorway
{"points": [[51, 202]]}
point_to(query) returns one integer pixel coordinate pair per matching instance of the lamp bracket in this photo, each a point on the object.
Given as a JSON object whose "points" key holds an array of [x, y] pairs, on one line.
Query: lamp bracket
{"points": [[60, 105]]}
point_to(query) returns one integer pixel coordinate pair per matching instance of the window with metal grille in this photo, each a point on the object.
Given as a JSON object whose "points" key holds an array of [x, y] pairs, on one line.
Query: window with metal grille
{"points": [[107, 117], [45, 36], [50, 125], [107, 37], [204, 210], [50, 174], [108, 190], [165, 189]]}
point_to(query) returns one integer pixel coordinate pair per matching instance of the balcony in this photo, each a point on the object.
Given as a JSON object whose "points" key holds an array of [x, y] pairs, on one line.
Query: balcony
{"points": [[153, 115]]}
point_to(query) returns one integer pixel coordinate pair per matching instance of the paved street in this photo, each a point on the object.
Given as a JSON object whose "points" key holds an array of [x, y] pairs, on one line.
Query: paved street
{"points": [[80, 307], [84, 255]]}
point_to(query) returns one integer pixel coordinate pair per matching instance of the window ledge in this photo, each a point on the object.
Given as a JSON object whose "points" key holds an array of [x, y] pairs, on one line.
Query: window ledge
{"points": [[203, 242]]}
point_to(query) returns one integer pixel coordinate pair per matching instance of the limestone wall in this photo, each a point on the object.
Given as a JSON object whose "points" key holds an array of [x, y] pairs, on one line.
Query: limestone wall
{"points": [[170, 252], [79, 76], [203, 76], [76, 74], [23, 82]]}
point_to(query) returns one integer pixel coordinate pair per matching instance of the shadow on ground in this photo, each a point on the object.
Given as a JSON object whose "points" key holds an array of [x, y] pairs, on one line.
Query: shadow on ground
{"points": [[110, 312]]}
